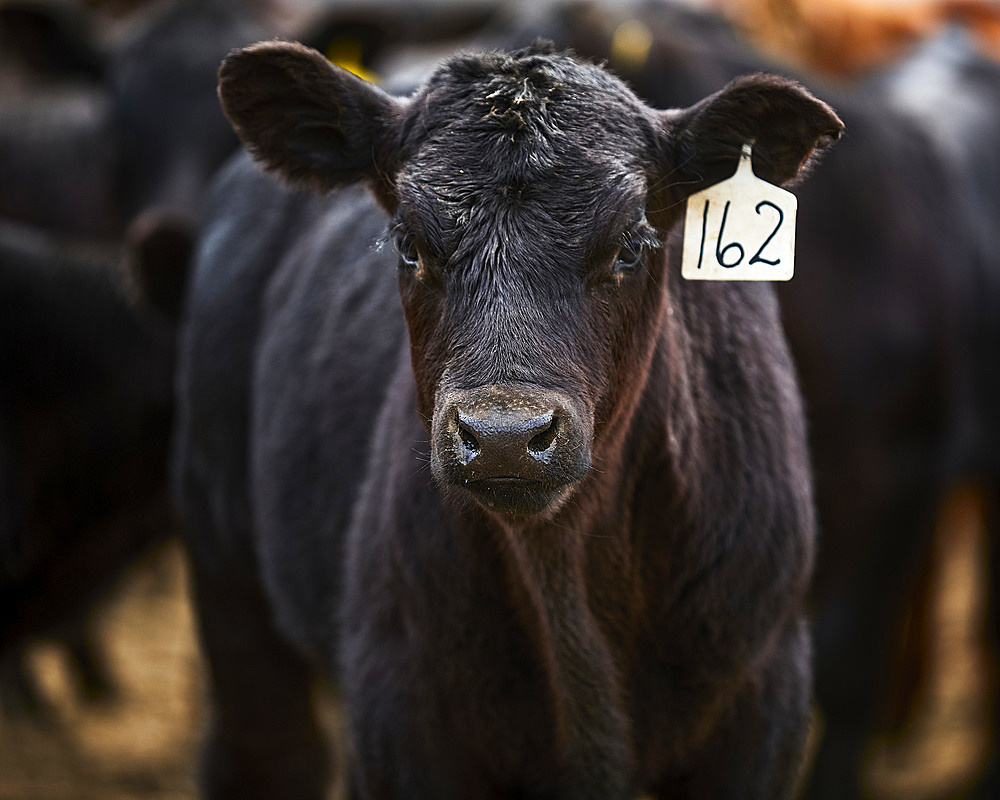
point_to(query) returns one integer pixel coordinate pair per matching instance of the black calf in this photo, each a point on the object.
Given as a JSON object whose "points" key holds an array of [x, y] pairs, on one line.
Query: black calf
{"points": [[596, 590]]}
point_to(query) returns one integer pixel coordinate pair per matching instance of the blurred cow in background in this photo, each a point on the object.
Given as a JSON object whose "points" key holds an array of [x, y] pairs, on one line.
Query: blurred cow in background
{"points": [[103, 131], [86, 404], [98, 132]]}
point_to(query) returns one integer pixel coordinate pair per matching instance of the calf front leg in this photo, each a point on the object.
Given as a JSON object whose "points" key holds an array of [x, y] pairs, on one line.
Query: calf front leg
{"points": [[263, 740], [756, 752]]}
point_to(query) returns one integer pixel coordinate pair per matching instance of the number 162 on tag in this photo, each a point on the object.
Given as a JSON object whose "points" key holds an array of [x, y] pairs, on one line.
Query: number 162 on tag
{"points": [[740, 229]]}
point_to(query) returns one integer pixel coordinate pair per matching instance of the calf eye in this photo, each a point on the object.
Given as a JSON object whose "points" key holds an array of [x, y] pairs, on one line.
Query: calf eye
{"points": [[407, 250], [628, 259], [635, 244]]}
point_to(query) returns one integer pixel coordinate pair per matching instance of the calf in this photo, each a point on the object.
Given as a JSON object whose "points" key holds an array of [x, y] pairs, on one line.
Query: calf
{"points": [[547, 522]]}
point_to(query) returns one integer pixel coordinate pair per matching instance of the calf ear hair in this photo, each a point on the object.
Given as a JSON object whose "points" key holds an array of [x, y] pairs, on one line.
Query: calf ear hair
{"points": [[314, 124], [785, 124]]}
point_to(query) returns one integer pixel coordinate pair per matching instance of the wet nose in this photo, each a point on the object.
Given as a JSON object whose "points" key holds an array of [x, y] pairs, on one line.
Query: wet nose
{"points": [[510, 436], [507, 442]]}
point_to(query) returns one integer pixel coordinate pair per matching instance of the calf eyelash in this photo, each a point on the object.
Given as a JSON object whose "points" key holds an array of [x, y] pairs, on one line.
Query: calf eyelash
{"points": [[633, 247], [402, 243], [407, 250]]}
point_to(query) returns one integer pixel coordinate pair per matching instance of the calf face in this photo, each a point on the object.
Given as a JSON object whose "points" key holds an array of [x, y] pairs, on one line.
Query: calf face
{"points": [[529, 196]]}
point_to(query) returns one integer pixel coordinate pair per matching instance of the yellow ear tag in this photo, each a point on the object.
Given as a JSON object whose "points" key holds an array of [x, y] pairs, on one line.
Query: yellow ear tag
{"points": [[347, 53], [740, 229], [630, 45]]}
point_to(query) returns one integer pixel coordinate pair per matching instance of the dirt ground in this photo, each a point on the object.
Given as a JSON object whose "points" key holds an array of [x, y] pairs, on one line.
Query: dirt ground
{"points": [[948, 737], [143, 747]]}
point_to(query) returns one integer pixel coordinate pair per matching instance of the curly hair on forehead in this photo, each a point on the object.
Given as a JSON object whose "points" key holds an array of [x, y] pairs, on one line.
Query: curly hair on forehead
{"points": [[514, 92]]}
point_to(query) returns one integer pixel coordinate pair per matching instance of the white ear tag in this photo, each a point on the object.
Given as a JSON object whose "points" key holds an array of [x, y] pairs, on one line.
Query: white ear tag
{"points": [[740, 229]]}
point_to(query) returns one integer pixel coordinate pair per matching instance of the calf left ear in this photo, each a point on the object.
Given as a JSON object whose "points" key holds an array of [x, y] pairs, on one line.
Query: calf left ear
{"points": [[783, 122], [314, 124]]}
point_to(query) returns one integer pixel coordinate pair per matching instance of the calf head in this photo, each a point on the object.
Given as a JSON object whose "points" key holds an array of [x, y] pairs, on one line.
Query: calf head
{"points": [[529, 197]]}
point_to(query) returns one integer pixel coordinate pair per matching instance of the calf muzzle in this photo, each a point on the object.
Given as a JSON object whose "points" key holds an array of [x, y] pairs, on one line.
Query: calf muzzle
{"points": [[518, 450]]}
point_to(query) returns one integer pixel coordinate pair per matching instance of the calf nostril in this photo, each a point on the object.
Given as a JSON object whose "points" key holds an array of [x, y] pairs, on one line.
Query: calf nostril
{"points": [[467, 437], [543, 441]]}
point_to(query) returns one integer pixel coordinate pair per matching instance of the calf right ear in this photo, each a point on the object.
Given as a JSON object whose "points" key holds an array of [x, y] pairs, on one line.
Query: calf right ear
{"points": [[785, 124], [314, 124]]}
